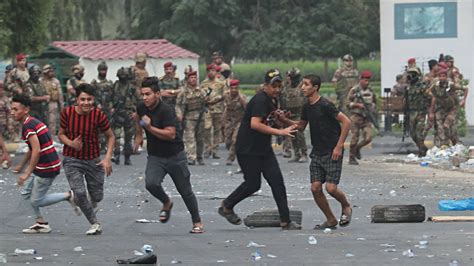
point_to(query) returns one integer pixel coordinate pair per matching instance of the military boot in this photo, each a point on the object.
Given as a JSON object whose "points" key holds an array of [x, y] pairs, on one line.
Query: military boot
{"points": [[116, 159], [127, 160], [200, 161], [353, 161], [295, 159], [215, 156], [357, 152], [422, 149]]}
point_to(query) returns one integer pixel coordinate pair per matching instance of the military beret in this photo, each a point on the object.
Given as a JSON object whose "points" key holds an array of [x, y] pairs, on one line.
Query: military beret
{"points": [[443, 71], [192, 73], [366, 74], [213, 66], [234, 82], [411, 60], [443, 65], [20, 57], [168, 64]]}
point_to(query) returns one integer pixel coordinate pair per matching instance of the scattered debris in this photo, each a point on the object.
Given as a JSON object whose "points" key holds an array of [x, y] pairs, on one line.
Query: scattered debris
{"points": [[451, 219], [312, 240], [253, 244]]}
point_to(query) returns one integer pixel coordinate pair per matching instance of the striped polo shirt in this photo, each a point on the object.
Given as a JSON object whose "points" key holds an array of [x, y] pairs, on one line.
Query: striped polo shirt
{"points": [[87, 126], [49, 164]]}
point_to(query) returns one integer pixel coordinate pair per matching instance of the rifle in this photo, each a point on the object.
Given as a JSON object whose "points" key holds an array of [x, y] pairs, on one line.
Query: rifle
{"points": [[406, 116], [203, 110], [370, 115]]}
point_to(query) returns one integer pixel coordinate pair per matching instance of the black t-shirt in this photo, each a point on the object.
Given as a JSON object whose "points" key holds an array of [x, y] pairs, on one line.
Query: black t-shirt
{"points": [[249, 141], [161, 117], [323, 125]]}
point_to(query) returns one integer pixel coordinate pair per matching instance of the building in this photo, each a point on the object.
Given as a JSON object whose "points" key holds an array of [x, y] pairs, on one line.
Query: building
{"points": [[423, 29], [117, 54]]}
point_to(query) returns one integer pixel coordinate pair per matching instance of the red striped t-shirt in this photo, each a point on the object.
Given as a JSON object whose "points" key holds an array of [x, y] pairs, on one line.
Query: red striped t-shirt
{"points": [[49, 164], [87, 126]]}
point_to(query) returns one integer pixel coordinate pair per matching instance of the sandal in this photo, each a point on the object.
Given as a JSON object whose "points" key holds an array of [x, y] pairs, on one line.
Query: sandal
{"points": [[231, 216], [197, 229], [345, 219], [165, 214], [325, 225]]}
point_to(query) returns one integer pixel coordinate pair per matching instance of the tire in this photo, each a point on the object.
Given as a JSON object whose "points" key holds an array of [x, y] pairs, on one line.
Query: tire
{"points": [[398, 213], [270, 218]]}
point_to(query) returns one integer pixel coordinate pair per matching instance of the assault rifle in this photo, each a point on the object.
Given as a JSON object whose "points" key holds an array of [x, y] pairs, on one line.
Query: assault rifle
{"points": [[406, 116], [369, 112], [203, 110]]}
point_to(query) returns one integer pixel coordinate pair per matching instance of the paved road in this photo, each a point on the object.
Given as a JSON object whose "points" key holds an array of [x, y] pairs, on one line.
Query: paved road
{"points": [[366, 185]]}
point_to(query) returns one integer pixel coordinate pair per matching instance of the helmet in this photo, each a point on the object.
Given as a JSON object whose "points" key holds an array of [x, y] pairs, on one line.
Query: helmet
{"points": [[102, 66], [140, 57], [34, 69], [414, 70], [293, 72], [448, 58], [217, 54], [125, 72], [77, 68], [47, 68], [9, 68], [188, 69], [348, 57]]}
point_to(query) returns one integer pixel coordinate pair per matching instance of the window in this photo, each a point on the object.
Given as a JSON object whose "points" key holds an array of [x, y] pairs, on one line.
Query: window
{"points": [[426, 20]]}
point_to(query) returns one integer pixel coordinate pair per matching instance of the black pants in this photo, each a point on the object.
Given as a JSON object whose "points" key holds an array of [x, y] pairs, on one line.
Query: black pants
{"points": [[252, 168]]}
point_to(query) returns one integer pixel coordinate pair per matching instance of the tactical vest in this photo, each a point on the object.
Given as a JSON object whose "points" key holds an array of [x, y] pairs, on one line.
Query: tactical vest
{"points": [[233, 104], [349, 77], [37, 89], [52, 88], [193, 99], [217, 91], [124, 98], [367, 96], [140, 74], [169, 84], [293, 98], [445, 94], [104, 92], [418, 97]]}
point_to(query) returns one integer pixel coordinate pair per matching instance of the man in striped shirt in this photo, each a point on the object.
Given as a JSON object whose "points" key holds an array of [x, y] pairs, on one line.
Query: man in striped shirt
{"points": [[44, 164], [79, 131]]}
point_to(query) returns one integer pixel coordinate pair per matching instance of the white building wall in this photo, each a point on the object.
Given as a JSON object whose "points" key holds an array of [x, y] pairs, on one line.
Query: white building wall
{"points": [[154, 66], [395, 53]]}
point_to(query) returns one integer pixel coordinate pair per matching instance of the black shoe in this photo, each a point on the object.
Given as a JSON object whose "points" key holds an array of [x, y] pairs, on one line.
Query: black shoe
{"points": [[294, 159], [200, 162], [353, 161], [127, 161], [357, 153], [116, 160], [215, 156], [191, 162]]}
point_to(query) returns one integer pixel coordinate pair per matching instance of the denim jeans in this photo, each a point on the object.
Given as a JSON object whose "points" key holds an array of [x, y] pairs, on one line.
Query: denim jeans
{"points": [[35, 190]]}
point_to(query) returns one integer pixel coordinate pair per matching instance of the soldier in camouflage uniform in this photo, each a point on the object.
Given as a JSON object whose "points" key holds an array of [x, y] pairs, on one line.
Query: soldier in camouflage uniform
{"points": [[38, 95], [103, 98], [292, 100], [343, 80], [169, 84], [124, 99], [213, 120], [18, 76], [190, 108], [359, 116], [56, 99], [444, 106], [139, 69], [235, 104], [429, 79], [418, 102], [73, 82]]}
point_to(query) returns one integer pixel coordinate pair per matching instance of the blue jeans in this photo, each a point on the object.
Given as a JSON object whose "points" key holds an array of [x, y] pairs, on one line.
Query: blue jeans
{"points": [[35, 190]]}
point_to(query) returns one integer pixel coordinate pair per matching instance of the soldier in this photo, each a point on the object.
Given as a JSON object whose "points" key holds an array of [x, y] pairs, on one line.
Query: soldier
{"points": [[444, 106], [38, 95], [429, 79], [452, 70], [188, 69], [190, 108], [359, 116], [235, 104], [292, 100], [18, 76], [72, 84], [169, 85], [399, 88], [213, 122], [103, 88], [56, 100], [418, 99], [124, 99], [139, 69], [434, 68], [6, 79], [4, 112], [225, 70], [343, 80]]}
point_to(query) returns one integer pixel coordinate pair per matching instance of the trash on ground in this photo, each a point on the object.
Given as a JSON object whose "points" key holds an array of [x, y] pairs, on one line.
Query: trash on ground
{"points": [[149, 258], [25, 251], [456, 205], [271, 256], [78, 249], [146, 221], [451, 218], [312, 240], [253, 244], [408, 253], [256, 256], [349, 255]]}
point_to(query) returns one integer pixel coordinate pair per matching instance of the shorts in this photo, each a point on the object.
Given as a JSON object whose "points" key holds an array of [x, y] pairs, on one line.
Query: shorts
{"points": [[324, 169]]}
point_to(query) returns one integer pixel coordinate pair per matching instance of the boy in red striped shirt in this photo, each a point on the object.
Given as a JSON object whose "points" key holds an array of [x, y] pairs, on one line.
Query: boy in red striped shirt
{"points": [[79, 131], [44, 164]]}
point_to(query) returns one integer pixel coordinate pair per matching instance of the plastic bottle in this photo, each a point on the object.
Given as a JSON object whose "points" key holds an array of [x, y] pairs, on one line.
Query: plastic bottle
{"points": [[25, 252]]}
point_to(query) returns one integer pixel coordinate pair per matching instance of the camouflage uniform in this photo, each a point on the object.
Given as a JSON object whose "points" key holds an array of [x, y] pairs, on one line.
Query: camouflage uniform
{"points": [[124, 100], [213, 119], [359, 118], [72, 83], [103, 88], [292, 99], [429, 79], [345, 78], [167, 83], [418, 102], [4, 115], [53, 89], [16, 84], [234, 111], [190, 103], [445, 109], [139, 73], [38, 109]]}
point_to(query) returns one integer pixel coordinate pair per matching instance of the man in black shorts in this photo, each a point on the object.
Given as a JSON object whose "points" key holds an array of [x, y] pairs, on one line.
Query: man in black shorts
{"points": [[255, 154], [165, 152], [327, 138]]}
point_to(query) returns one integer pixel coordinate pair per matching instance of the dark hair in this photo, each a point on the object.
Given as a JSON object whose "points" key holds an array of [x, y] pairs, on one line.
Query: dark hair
{"points": [[23, 99], [314, 79], [86, 88], [432, 63], [151, 82]]}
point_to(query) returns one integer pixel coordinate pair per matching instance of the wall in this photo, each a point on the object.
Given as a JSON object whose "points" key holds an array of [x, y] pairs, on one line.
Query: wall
{"points": [[154, 66], [395, 52]]}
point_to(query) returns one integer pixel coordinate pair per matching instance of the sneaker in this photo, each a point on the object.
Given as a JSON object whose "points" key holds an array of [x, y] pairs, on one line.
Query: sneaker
{"points": [[72, 201], [37, 229], [96, 229]]}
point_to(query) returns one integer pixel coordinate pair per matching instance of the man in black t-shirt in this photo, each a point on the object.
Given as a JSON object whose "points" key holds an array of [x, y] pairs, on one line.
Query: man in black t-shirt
{"points": [[165, 152], [255, 154], [327, 138]]}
